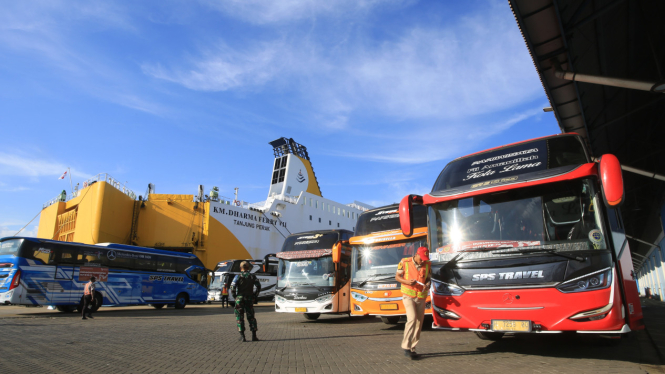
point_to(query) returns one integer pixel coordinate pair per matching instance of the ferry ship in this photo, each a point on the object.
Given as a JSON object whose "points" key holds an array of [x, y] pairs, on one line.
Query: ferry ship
{"points": [[213, 227]]}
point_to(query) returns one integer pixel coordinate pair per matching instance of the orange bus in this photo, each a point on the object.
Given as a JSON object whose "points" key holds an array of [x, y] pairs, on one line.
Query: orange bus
{"points": [[377, 247]]}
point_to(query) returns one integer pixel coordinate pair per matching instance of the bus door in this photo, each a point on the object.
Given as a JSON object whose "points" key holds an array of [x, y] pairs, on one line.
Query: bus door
{"points": [[162, 289], [63, 286], [625, 272], [39, 277], [343, 283]]}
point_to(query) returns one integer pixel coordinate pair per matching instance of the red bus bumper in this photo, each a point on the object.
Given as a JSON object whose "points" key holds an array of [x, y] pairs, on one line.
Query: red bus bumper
{"points": [[548, 309]]}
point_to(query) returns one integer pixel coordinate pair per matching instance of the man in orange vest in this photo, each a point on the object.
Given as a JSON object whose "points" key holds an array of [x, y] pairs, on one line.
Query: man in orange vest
{"points": [[414, 273], [225, 296]]}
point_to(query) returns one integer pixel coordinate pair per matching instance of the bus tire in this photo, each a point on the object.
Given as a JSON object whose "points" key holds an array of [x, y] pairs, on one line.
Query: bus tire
{"points": [[493, 336], [312, 316], [393, 320], [158, 306], [181, 300], [65, 308], [97, 302]]}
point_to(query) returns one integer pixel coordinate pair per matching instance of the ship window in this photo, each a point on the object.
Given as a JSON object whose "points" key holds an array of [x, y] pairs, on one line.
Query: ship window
{"points": [[277, 163], [284, 161], [281, 175], [275, 176], [337, 224], [330, 223], [310, 217], [319, 219]]}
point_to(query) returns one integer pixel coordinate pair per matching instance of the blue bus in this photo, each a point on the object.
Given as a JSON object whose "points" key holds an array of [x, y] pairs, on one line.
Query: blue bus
{"points": [[47, 272]]}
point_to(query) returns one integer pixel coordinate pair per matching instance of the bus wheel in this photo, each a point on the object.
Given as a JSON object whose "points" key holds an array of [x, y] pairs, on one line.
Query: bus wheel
{"points": [[312, 316], [390, 320], [181, 300], [494, 336], [65, 308], [158, 306], [99, 299]]}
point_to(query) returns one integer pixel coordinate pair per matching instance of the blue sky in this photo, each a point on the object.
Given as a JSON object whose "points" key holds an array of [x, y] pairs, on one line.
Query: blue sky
{"points": [[383, 93]]}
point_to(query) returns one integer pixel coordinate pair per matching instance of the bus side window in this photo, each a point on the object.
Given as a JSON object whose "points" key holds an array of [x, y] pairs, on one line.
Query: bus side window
{"points": [[90, 257], [167, 263], [39, 252], [66, 255], [123, 260], [147, 263]]}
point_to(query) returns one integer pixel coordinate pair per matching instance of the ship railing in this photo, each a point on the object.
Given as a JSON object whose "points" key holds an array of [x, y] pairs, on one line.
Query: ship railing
{"points": [[102, 177], [105, 177]]}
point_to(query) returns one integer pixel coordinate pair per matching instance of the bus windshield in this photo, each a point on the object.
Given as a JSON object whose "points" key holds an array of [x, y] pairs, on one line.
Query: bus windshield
{"points": [[302, 272], [555, 217], [378, 261], [10, 247], [216, 283]]}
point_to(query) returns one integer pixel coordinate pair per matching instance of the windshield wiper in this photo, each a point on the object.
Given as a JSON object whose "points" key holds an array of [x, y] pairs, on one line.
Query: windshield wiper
{"points": [[461, 253], [550, 251], [372, 278]]}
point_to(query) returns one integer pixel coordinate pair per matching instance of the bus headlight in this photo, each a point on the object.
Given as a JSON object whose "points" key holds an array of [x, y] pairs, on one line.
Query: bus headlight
{"points": [[358, 296], [324, 299], [443, 313], [280, 299], [590, 282], [445, 289]]}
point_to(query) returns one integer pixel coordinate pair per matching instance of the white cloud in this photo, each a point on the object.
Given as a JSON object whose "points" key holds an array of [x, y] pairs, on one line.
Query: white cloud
{"points": [[12, 164], [473, 67], [30, 231], [280, 11], [54, 30], [222, 68]]}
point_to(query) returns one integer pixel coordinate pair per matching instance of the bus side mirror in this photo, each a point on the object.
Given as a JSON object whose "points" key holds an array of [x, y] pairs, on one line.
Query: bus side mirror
{"points": [[337, 252], [406, 213], [611, 181]]}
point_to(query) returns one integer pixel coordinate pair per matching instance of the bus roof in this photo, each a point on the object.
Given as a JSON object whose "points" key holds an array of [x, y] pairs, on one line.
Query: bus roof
{"points": [[107, 245]]}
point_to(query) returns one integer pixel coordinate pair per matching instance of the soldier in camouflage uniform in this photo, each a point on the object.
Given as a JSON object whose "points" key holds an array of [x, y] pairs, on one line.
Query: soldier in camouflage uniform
{"points": [[243, 293]]}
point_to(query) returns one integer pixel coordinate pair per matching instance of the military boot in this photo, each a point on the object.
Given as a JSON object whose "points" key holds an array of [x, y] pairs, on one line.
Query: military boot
{"points": [[254, 338], [242, 336]]}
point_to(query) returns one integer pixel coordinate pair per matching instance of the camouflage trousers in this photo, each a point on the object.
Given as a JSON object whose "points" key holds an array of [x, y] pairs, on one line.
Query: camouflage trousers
{"points": [[244, 305]]}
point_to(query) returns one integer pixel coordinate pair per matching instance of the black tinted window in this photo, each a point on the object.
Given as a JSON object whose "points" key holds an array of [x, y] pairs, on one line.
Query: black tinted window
{"points": [[311, 240], [40, 253], [387, 218], [507, 163]]}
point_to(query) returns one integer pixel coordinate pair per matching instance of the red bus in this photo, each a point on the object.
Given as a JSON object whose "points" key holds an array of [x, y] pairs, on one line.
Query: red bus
{"points": [[528, 238]]}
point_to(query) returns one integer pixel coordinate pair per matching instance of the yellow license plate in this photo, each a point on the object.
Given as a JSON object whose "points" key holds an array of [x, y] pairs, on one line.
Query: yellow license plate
{"points": [[303, 310], [515, 326], [388, 307]]}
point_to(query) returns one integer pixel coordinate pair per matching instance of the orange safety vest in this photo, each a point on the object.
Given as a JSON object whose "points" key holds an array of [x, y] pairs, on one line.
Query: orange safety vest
{"points": [[411, 272], [86, 290], [225, 291]]}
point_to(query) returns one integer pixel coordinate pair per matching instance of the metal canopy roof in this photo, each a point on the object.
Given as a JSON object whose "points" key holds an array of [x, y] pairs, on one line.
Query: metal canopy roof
{"points": [[609, 38]]}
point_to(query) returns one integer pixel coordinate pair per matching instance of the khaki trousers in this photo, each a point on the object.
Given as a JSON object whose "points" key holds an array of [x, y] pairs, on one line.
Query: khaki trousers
{"points": [[415, 314]]}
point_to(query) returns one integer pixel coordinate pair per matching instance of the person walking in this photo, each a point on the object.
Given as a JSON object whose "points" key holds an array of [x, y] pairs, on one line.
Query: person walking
{"points": [[225, 296], [414, 273], [243, 293], [88, 298]]}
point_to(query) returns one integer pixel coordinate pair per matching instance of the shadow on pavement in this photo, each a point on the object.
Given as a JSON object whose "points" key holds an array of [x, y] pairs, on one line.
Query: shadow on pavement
{"points": [[635, 347], [424, 356], [324, 337]]}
